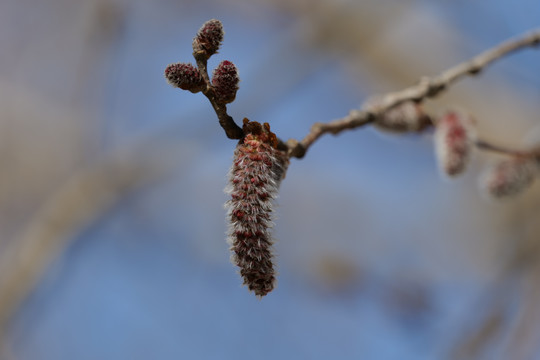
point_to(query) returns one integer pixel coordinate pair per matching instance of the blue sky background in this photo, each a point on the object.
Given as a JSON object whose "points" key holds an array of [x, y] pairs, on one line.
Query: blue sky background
{"points": [[379, 256]]}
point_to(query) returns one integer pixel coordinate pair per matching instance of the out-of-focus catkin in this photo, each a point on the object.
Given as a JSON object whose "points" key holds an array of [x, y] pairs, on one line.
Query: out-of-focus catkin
{"points": [[453, 141], [510, 177], [403, 118], [254, 179]]}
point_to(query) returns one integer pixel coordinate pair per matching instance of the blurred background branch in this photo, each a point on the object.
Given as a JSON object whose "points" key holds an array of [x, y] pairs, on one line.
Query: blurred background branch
{"points": [[68, 211]]}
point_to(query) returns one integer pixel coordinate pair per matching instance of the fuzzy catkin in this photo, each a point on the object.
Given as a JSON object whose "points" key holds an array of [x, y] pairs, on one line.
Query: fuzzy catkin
{"points": [[510, 177], [254, 179], [184, 76], [208, 38], [453, 142], [225, 81]]}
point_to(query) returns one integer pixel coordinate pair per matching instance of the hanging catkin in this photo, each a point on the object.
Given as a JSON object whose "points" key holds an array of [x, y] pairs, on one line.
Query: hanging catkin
{"points": [[254, 179]]}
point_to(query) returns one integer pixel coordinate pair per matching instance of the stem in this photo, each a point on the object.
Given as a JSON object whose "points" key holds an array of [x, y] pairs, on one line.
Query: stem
{"points": [[232, 130], [426, 88]]}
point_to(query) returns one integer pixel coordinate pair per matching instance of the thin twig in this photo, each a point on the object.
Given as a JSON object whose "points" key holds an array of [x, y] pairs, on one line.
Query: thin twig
{"points": [[232, 130], [487, 146], [426, 88]]}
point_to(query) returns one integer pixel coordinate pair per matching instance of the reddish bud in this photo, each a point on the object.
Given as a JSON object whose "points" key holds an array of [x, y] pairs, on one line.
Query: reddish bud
{"points": [[208, 39], [510, 177], [406, 117], [453, 135], [254, 179], [225, 81], [184, 76]]}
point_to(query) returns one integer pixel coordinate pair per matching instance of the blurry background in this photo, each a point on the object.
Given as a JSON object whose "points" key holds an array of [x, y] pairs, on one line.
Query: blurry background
{"points": [[112, 228]]}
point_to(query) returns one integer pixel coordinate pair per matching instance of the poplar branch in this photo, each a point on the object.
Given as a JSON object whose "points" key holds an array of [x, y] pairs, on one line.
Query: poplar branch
{"points": [[427, 87], [488, 146]]}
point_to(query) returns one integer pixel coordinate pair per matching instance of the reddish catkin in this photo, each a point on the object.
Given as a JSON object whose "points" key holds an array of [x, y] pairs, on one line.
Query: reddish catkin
{"points": [[254, 179], [184, 76], [453, 142], [225, 82], [208, 39]]}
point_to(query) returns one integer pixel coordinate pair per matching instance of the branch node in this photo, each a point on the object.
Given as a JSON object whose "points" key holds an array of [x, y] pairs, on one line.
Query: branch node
{"points": [[475, 70], [296, 149], [434, 88]]}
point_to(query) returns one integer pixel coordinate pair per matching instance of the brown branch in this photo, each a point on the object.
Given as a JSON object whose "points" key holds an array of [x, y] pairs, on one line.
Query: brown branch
{"points": [[487, 146], [426, 88], [232, 130]]}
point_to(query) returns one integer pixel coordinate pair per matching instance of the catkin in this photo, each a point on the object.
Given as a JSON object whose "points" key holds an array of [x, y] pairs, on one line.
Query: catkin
{"points": [[254, 179]]}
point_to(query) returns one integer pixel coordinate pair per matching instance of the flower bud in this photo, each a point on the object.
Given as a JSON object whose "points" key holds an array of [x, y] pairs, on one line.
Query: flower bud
{"points": [[254, 179], [406, 117], [453, 142], [208, 39], [510, 177], [225, 82], [184, 76]]}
